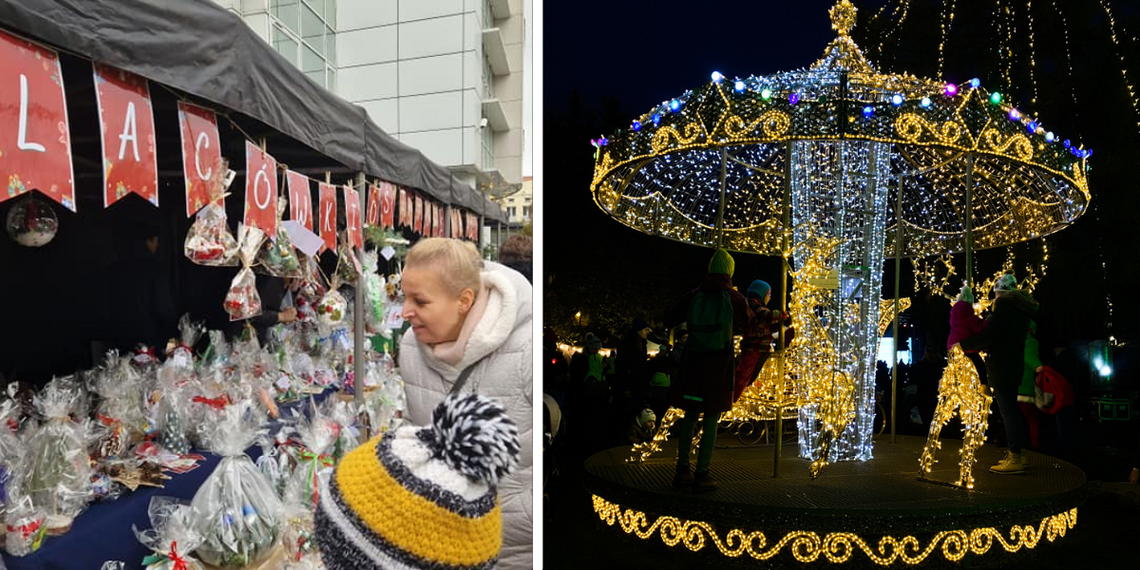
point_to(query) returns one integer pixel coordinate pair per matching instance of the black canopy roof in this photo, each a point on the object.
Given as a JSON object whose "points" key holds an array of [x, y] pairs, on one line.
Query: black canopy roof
{"points": [[205, 51]]}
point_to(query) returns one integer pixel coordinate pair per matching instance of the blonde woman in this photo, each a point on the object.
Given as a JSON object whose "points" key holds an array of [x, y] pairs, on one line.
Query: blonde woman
{"points": [[471, 332]]}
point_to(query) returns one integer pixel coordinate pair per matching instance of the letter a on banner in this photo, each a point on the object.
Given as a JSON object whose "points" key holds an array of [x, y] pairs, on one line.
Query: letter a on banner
{"points": [[328, 216], [35, 144], [126, 121], [300, 199], [387, 205], [201, 153], [352, 218], [260, 190]]}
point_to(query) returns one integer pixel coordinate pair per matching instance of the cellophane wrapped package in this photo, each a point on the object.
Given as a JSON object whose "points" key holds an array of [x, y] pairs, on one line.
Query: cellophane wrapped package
{"points": [[58, 479], [242, 300], [172, 537], [239, 511], [209, 241]]}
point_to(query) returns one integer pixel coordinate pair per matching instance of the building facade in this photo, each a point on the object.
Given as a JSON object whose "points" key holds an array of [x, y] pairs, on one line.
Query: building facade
{"points": [[442, 76]]}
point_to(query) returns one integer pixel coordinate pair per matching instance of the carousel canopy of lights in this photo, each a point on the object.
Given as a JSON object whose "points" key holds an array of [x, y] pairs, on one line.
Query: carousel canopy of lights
{"points": [[665, 174]]}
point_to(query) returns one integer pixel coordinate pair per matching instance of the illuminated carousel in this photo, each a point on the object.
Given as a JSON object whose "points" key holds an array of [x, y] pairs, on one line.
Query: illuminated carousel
{"points": [[836, 168]]}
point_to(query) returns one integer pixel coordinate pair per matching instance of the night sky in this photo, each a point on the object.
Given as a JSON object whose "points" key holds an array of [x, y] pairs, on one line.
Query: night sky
{"points": [[608, 62]]}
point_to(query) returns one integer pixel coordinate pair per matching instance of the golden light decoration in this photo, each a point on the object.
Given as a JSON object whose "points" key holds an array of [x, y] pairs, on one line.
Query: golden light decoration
{"points": [[843, 17], [887, 312], [960, 392], [642, 451], [836, 547]]}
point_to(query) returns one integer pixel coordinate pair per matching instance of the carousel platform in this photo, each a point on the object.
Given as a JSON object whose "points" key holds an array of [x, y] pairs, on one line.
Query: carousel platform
{"points": [[877, 510]]}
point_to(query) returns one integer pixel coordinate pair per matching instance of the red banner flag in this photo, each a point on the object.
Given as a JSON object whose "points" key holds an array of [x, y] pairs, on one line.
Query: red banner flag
{"points": [[201, 153], [328, 215], [126, 122], [439, 226], [373, 218], [420, 215], [430, 222], [352, 218], [387, 205], [473, 227], [35, 149], [405, 208], [260, 190], [456, 224], [300, 199]]}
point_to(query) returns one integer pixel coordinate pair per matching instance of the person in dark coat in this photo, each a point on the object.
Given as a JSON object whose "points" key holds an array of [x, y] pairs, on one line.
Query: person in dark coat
{"points": [[706, 376], [1004, 341], [632, 366], [141, 303], [272, 291]]}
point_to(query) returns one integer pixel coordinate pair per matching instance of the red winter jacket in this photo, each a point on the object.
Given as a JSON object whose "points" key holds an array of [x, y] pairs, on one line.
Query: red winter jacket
{"points": [[963, 324]]}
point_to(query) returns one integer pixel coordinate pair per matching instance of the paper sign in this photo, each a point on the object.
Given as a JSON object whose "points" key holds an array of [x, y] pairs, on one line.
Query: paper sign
{"points": [[395, 318], [35, 144], [388, 252], [126, 121], [328, 215], [372, 219], [201, 153], [387, 205], [419, 215], [260, 190], [352, 218], [300, 199], [304, 240]]}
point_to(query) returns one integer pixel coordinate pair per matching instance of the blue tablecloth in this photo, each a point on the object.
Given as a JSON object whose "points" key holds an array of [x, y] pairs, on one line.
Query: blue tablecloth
{"points": [[103, 531]]}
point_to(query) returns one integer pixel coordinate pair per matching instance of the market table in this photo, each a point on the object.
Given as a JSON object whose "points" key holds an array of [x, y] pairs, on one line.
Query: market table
{"points": [[103, 531]]}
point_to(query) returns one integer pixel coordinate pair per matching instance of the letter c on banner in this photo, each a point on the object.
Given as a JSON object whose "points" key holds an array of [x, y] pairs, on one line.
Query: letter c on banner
{"points": [[261, 175], [198, 144]]}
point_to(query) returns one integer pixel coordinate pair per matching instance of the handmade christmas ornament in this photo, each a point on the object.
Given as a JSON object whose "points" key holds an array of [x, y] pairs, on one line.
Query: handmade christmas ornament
{"points": [[331, 309], [32, 222], [209, 241], [242, 300], [422, 497], [174, 439], [278, 257]]}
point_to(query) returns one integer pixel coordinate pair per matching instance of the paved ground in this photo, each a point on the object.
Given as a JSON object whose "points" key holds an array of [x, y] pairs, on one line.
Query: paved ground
{"points": [[1106, 534]]}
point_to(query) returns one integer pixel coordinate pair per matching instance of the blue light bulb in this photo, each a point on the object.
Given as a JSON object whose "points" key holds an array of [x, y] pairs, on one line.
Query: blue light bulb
{"points": [[1049, 136], [1032, 126], [868, 111], [897, 100], [656, 118], [674, 105], [739, 86], [1068, 143], [975, 83], [925, 103], [636, 126], [717, 77]]}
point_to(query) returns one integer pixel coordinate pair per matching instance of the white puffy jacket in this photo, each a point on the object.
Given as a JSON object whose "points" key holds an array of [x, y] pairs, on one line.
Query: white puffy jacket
{"points": [[503, 340]]}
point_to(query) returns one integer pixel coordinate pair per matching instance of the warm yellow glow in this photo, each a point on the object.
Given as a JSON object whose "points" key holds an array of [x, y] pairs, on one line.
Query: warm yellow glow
{"points": [[836, 547], [960, 391], [887, 312]]}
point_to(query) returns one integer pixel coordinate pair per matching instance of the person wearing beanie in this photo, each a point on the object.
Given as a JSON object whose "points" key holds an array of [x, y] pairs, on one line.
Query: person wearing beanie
{"points": [[473, 317], [642, 428], [1003, 339], [422, 497], [964, 323], [713, 312], [756, 346]]}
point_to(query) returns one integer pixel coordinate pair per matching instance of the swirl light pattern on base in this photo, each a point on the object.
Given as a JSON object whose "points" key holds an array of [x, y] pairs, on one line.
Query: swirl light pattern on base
{"points": [[835, 547]]}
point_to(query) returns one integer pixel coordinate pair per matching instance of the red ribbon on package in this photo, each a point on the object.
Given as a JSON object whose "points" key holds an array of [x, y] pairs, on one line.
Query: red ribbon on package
{"points": [[35, 151], [126, 121], [300, 199], [201, 153], [179, 562], [218, 403], [26, 530], [260, 190], [373, 218], [352, 218], [387, 205], [328, 215]]}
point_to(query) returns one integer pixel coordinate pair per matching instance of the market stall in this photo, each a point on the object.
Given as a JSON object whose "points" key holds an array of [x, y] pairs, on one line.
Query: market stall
{"points": [[169, 163]]}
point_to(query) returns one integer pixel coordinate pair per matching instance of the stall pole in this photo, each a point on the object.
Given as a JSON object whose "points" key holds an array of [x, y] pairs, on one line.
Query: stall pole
{"points": [[358, 318]]}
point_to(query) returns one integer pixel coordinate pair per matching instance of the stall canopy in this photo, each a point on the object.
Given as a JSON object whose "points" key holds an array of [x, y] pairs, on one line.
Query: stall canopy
{"points": [[203, 50]]}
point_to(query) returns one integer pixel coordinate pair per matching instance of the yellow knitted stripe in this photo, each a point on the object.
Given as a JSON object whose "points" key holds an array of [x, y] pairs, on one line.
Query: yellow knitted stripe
{"points": [[411, 522]]}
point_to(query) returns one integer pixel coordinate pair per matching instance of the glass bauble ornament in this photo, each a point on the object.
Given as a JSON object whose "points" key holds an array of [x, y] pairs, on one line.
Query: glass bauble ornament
{"points": [[32, 222]]}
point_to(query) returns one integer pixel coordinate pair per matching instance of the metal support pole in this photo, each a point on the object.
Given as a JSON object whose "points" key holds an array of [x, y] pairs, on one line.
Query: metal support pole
{"points": [[970, 220], [358, 318], [723, 191], [780, 348], [895, 329]]}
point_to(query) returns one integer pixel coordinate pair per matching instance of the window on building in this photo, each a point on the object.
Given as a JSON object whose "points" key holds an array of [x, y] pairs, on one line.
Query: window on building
{"points": [[288, 12], [304, 33], [526, 213], [312, 29], [285, 44], [313, 65], [510, 200], [511, 211]]}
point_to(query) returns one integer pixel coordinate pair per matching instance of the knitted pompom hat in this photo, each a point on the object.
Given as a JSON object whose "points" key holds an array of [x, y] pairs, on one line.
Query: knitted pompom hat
{"points": [[758, 289], [422, 497], [1005, 283], [722, 263]]}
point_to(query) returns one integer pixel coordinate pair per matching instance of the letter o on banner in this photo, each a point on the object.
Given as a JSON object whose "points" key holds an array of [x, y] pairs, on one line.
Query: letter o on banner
{"points": [[260, 190]]}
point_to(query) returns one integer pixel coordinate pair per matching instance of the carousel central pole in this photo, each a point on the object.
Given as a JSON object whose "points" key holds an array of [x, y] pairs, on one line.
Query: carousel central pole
{"points": [[780, 347], [970, 220], [895, 329], [723, 191]]}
